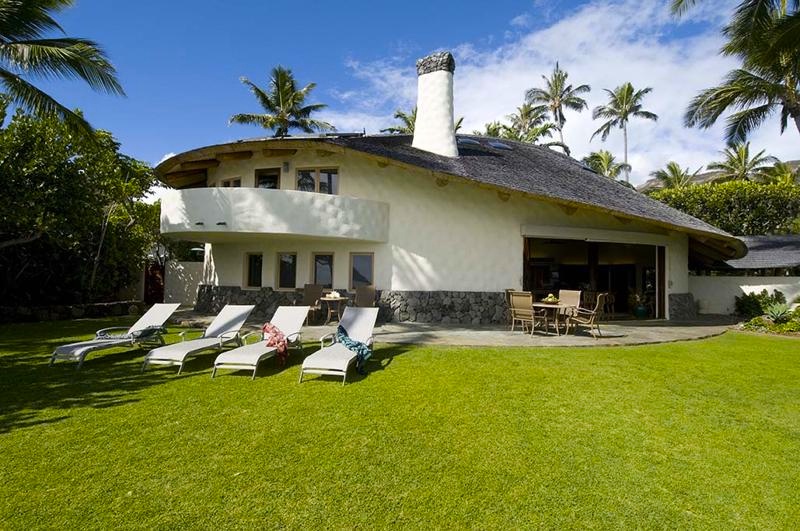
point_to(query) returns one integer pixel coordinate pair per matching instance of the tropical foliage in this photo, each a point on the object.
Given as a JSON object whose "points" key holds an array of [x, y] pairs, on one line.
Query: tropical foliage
{"points": [[765, 36], [556, 96], [407, 120], [781, 172], [605, 164], [285, 105], [673, 176], [624, 103], [739, 165], [26, 52], [528, 124], [739, 207], [71, 229]]}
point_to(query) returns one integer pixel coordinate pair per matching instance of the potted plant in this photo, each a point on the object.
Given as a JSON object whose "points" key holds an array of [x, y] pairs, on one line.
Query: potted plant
{"points": [[636, 302]]}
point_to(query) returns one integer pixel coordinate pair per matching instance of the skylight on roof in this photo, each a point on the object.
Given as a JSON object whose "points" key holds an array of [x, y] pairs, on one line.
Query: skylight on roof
{"points": [[499, 145], [468, 141]]}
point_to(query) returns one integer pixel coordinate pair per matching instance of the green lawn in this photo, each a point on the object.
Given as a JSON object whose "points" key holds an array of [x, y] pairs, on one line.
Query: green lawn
{"points": [[699, 434]]}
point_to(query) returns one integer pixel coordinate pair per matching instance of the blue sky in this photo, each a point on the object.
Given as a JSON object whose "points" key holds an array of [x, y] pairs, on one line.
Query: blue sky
{"points": [[180, 63]]}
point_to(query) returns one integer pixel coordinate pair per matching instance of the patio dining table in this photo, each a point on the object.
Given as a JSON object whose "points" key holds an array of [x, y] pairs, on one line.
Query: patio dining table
{"points": [[556, 309]]}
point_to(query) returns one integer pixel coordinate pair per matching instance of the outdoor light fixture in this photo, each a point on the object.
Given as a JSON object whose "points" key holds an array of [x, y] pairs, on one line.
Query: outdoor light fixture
{"points": [[199, 223], [222, 222]]}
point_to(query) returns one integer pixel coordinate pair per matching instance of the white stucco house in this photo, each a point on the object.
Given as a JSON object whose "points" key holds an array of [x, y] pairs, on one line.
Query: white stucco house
{"points": [[441, 224]]}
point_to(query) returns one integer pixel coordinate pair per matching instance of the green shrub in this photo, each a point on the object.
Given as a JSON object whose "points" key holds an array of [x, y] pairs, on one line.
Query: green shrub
{"points": [[792, 327], [739, 207], [778, 312], [752, 305]]}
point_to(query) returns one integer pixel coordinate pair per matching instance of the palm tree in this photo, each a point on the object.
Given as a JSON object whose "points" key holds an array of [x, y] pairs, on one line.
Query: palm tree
{"points": [[738, 165], [407, 121], [406, 125], [604, 163], [624, 103], [673, 176], [25, 53], [285, 105], [492, 129], [558, 95], [769, 79], [781, 172]]}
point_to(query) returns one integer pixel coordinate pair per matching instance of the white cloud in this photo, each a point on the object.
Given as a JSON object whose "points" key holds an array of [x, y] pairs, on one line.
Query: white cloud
{"points": [[521, 21], [602, 44], [165, 157]]}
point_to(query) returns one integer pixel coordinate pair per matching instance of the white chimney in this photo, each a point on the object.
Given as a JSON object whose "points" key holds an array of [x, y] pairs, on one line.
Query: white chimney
{"points": [[434, 128]]}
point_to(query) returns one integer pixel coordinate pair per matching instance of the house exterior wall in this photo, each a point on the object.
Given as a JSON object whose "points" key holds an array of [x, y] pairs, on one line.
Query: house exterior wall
{"points": [[444, 235], [181, 280], [717, 295]]}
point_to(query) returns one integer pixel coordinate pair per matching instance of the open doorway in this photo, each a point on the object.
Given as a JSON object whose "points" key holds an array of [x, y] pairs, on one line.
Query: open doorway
{"points": [[632, 273]]}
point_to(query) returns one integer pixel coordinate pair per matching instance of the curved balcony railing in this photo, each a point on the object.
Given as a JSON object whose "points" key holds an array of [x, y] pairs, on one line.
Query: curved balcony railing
{"points": [[209, 214]]}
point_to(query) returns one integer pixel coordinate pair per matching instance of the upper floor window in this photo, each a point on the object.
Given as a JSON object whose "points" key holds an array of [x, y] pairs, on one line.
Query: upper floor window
{"points": [[269, 178], [322, 180], [228, 183]]}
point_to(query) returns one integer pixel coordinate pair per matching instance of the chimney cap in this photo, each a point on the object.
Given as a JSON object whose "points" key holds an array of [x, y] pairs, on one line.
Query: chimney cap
{"points": [[436, 61]]}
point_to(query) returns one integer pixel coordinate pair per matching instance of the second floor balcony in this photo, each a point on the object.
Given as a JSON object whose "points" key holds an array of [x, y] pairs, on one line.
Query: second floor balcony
{"points": [[220, 214]]}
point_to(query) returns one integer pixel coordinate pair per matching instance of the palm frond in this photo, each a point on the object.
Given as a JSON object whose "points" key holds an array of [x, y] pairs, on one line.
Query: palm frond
{"points": [[742, 123], [29, 19], [63, 58], [37, 101]]}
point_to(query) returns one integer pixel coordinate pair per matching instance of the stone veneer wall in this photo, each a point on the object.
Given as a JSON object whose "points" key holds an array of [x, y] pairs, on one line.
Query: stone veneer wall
{"points": [[454, 307], [15, 314], [682, 306]]}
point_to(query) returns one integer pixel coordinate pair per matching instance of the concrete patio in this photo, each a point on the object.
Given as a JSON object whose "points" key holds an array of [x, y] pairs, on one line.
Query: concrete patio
{"points": [[622, 332]]}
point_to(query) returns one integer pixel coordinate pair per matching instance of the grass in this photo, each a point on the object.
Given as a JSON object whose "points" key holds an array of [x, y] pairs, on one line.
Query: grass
{"points": [[701, 434]]}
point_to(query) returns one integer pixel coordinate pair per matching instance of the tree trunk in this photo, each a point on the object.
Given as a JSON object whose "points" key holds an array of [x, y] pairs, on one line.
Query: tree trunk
{"points": [[21, 240], [560, 132], [797, 121], [104, 226], [627, 169]]}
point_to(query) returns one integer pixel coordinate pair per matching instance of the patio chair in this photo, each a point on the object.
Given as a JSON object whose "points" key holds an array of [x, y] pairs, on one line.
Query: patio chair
{"points": [[588, 318], [287, 319], [609, 309], [148, 330], [521, 304], [224, 329], [365, 296], [334, 359], [312, 293]]}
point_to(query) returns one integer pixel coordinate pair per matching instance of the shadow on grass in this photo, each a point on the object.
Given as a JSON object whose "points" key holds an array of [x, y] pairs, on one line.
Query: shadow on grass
{"points": [[381, 359], [33, 393]]}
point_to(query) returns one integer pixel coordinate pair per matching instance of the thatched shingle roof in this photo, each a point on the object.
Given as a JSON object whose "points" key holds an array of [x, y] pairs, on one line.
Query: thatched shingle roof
{"points": [[769, 252], [533, 170]]}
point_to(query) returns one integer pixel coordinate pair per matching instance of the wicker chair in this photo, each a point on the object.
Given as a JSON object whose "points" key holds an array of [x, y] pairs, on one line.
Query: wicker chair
{"points": [[588, 318], [522, 310], [311, 296], [365, 297]]}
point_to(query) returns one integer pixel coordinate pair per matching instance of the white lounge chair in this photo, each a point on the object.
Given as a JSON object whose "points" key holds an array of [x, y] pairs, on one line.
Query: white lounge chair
{"points": [[147, 330], [223, 329], [287, 319], [335, 358]]}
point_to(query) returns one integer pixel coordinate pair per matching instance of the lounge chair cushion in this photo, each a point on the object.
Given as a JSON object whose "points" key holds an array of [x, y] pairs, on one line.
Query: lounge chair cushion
{"points": [[247, 355], [76, 350], [179, 351], [336, 357]]}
